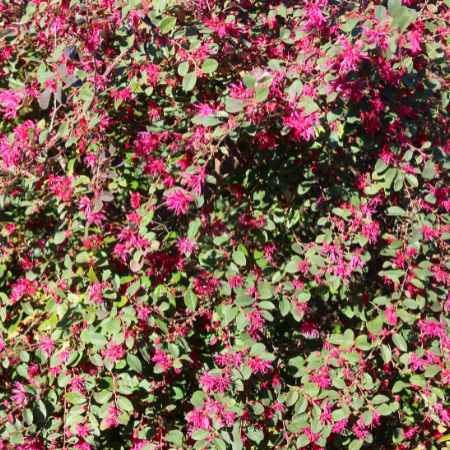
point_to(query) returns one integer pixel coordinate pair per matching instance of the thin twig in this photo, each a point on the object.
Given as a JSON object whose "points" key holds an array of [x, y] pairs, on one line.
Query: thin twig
{"points": [[118, 59]]}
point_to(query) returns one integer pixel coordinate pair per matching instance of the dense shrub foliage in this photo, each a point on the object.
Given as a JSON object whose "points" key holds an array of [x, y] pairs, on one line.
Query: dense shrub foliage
{"points": [[225, 224]]}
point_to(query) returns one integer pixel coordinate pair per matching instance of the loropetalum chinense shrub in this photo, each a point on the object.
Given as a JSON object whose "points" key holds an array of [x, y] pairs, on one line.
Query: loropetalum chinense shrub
{"points": [[225, 224]]}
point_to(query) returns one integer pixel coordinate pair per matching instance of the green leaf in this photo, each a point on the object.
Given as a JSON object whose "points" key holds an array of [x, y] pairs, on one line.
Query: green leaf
{"points": [[96, 360], [434, 84], [367, 417], [231, 314], [194, 227], [135, 363], [386, 353], [302, 441], [312, 389], [398, 387], [380, 13], [249, 81], [318, 260], [334, 114], [397, 436], [27, 309], [133, 288], [303, 297], [5, 32], [183, 68], [167, 24], [304, 187], [432, 370], [261, 94], [292, 398], [103, 397], [212, 257], [75, 398], [40, 411], [82, 258], [396, 211], [257, 349], [375, 326], [266, 305], [97, 339], [394, 6], [403, 21], [147, 219], [60, 237], [209, 65], [429, 171], [292, 266], [400, 342], [443, 439], [124, 404], [162, 325], [175, 436], [373, 189], [398, 185], [92, 277], [27, 415], [45, 76], [174, 349], [239, 258], [338, 414], [285, 307], [189, 81], [258, 409], [149, 446], [384, 410], [356, 444], [412, 180], [234, 105], [190, 300], [274, 64], [254, 434], [201, 434], [310, 108], [339, 383], [219, 443], [336, 339], [198, 399], [16, 438], [445, 96], [418, 380]]}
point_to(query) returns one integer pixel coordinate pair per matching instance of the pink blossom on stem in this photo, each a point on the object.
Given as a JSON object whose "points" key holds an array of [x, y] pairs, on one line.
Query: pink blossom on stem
{"points": [[259, 365], [179, 202], [19, 393], [213, 383]]}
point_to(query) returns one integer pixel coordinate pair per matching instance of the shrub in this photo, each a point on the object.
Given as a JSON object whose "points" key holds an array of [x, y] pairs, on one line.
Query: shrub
{"points": [[225, 224]]}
